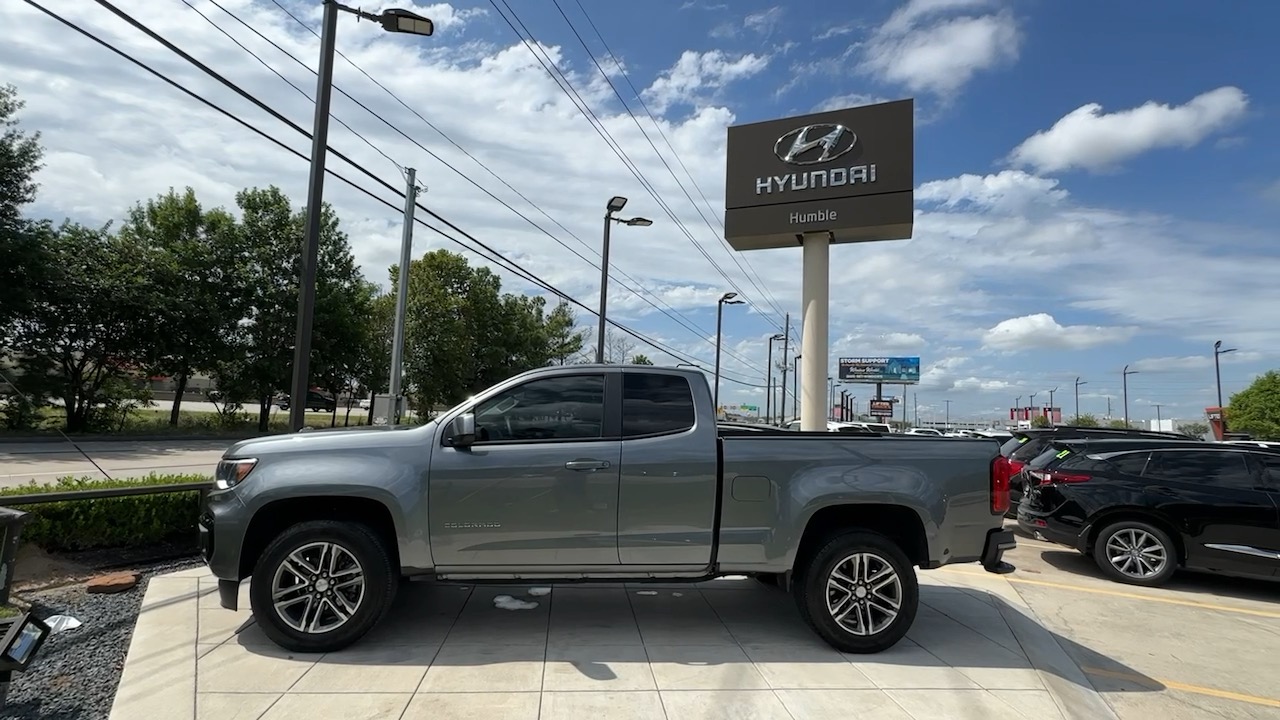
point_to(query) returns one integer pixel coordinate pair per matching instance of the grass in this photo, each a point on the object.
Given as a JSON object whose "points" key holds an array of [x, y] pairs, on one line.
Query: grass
{"points": [[155, 421]]}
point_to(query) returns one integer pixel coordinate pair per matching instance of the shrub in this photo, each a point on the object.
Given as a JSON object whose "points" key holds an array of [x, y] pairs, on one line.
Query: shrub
{"points": [[109, 522]]}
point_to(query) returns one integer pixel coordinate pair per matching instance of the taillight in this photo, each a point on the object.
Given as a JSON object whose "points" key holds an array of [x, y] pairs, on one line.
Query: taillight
{"points": [[1043, 477], [1001, 473], [1015, 466]]}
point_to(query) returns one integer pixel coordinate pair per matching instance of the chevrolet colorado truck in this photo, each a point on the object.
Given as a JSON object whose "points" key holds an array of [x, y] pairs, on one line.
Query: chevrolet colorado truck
{"points": [[596, 473]]}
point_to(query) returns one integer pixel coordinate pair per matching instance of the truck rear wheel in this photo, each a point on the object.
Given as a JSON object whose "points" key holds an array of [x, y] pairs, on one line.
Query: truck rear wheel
{"points": [[859, 593], [321, 585]]}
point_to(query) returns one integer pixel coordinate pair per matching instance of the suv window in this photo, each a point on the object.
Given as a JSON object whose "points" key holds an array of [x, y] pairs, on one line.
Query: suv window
{"points": [[1222, 469], [1131, 463], [1031, 448], [1012, 444], [1271, 468], [567, 407], [654, 404]]}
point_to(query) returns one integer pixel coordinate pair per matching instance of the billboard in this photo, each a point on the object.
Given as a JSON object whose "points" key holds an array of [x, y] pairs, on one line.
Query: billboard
{"points": [[882, 408], [901, 370], [848, 172]]}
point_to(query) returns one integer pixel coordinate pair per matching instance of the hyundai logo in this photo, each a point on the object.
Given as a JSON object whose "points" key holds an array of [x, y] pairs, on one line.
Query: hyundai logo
{"points": [[832, 139]]}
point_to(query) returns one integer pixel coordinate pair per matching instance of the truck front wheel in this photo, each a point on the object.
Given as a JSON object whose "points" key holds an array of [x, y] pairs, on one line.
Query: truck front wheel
{"points": [[321, 585], [859, 593]]}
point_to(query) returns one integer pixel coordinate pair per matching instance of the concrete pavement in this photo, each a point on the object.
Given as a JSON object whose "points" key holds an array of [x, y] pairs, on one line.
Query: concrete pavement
{"points": [[726, 649], [42, 462]]}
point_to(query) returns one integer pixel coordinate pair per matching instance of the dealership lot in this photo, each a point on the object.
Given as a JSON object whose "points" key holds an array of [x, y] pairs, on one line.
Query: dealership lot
{"points": [[1203, 646]]}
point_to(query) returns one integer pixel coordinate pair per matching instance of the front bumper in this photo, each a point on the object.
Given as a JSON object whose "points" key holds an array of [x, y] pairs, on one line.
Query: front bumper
{"points": [[221, 526], [999, 541]]}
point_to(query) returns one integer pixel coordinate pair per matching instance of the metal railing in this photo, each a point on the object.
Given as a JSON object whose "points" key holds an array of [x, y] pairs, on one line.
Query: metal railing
{"points": [[99, 493]]}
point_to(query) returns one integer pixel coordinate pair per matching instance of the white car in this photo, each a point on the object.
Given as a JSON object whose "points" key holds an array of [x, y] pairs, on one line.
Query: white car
{"points": [[923, 431]]}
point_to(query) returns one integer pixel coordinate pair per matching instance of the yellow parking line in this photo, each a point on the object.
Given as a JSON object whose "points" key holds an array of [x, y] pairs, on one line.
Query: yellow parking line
{"points": [[1197, 689], [1129, 595]]}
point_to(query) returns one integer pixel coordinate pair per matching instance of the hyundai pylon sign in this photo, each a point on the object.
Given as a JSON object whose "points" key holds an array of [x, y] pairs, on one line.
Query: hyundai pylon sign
{"points": [[849, 172]]}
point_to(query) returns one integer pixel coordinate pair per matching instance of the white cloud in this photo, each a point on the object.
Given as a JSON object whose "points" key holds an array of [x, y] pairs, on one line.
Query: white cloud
{"points": [[1272, 192], [699, 75], [839, 102], [1090, 139], [1006, 191], [1041, 332], [937, 46], [1185, 363], [834, 31], [763, 22]]}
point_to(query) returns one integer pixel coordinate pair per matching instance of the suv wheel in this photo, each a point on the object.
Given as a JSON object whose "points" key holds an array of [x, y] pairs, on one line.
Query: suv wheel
{"points": [[1136, 553], [321, 585], [859, 593]]}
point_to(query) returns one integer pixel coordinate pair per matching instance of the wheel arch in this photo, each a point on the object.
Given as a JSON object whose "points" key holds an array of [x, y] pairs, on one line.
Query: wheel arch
{"points": [[276, 516], [899, 523]]}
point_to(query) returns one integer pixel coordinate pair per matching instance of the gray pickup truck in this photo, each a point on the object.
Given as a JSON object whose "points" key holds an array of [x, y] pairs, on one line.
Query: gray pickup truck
{"points": [[590, 473]]}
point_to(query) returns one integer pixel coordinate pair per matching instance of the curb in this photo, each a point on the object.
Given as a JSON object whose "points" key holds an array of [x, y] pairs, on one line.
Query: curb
{"points": [[34, 439]]}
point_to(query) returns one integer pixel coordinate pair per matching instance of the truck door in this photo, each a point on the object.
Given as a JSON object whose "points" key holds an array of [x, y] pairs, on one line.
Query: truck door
{"points": [[670, 472], [540, 484]]}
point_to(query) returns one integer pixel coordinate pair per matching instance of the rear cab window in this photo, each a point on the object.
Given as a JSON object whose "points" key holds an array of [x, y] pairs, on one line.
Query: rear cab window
{"points": [[656, 404]]}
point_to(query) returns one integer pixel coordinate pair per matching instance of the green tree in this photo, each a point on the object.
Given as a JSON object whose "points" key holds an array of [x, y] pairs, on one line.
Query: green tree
{"points": [[641, 360], [1118, 424], [24, 260], [1040, 421], [565, 339], [1256, 409], [272, 231], [462, 334], [196, 266], [1194, 429], [1085, 420], [87, 328]]}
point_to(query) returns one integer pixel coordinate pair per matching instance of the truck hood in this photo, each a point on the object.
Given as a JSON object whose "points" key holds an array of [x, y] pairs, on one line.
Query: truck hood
{"points": [[324, 439]]}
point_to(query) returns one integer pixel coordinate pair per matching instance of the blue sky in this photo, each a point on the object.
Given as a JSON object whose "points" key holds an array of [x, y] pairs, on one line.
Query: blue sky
{"points": [[1096, 182]]}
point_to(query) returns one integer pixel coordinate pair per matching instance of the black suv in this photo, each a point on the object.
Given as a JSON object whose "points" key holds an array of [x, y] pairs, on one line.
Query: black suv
{"points": [[1026, 444], [1142, 508]]}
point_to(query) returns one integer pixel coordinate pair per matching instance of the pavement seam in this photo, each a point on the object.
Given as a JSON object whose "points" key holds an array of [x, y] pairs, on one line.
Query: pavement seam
{"points": [[546, 649], [743, 650], [440, 648], [1092, 698]]}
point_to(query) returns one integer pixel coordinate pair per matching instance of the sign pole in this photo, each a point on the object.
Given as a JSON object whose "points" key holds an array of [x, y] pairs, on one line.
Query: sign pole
{"points": [[815, 295]]}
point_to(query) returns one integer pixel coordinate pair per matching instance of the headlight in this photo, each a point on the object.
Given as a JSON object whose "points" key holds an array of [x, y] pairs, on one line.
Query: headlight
{"points": [[232, 472]]}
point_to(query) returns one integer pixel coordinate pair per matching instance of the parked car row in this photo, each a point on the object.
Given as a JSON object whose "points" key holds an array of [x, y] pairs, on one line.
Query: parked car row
{"points": [[1145, 504]]}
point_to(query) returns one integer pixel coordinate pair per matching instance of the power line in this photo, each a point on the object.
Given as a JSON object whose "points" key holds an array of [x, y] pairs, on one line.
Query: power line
{"points": [[566, 86], [719, 236], [679, 318], [493, 256]]}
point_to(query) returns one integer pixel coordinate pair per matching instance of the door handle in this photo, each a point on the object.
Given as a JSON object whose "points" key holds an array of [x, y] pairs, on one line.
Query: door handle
{"points": [[587, 465]]}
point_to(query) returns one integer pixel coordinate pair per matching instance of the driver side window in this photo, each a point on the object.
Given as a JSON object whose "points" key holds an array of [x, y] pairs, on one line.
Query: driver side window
{"points": [[568, 407]]}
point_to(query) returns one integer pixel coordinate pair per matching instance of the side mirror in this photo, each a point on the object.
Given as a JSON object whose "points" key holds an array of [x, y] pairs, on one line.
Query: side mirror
{"points": [[462, 430]]}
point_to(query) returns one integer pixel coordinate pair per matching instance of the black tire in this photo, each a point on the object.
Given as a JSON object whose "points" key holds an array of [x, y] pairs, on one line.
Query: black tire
{"points": [[1128, 533], [812, 596], [360, 543]]}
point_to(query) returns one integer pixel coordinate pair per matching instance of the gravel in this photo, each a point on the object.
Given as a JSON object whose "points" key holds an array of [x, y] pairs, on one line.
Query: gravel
{"points": [[76, 672]]}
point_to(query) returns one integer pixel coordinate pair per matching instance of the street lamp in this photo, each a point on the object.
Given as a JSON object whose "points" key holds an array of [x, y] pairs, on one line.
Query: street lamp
{"points": [[1079, 382], [1125, 375], [725, 299], [768, 375], [615, 204], [399, 21], [1217, 374]]}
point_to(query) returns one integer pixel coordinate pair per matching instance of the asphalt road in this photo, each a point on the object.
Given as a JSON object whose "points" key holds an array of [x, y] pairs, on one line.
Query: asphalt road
{"points": [[1203, 646], [21, 463]]}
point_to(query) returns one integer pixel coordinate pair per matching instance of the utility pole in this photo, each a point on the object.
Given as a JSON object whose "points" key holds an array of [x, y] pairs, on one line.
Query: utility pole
{"points": [[1108, 407], [948, 423], [1158, 406], [782, 390], [402, 297], [915, 402]]}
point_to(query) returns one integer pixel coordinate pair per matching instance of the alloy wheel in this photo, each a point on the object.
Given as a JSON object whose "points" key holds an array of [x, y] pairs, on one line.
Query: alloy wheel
{"points": [[864, 594], [318, 587], [1136, 553]]}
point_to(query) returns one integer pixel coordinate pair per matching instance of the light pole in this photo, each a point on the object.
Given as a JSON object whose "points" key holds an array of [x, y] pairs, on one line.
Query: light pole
{"points": [[615, 204], [1217, 374], [725, 299], [1032, 403], [1051, 392], [1017, 409], [1125, 375], [795, 386], [1078, 384], [1158, 406], [768, 373], [948, 422], [401, 21]]}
